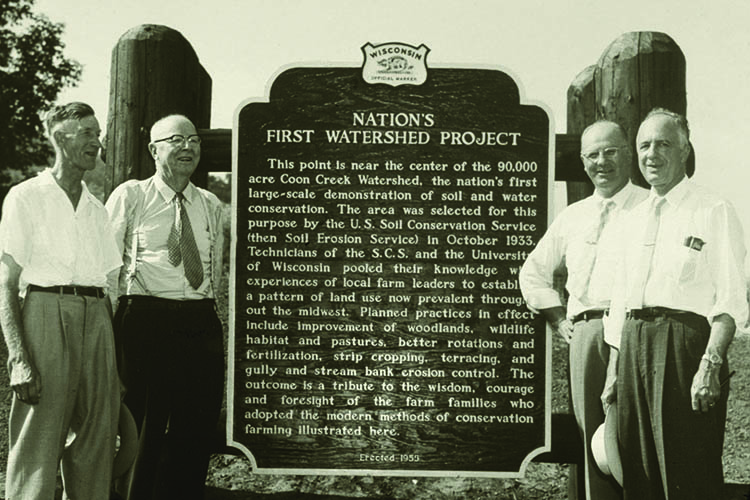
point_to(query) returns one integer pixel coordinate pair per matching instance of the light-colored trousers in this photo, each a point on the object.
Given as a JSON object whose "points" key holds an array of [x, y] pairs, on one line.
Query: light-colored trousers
{"points": [[70, 341], [589, 356]]}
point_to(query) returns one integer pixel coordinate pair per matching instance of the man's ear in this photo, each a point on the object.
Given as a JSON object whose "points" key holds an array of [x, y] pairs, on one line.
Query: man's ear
{"points": [[685, 153], [57, 137], [152, 150]]}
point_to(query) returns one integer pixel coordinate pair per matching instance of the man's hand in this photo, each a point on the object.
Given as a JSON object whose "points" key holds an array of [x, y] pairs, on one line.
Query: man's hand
{"points": [[565, 328], [706, 388], [609, 394], [24, 377], [25, 380]]}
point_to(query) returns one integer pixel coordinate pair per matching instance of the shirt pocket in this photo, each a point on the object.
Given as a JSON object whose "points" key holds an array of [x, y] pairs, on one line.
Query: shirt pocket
{"points": [[686, 262]]}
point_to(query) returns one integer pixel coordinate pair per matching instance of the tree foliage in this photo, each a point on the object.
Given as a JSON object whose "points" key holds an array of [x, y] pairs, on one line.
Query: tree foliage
{"points": [[33, 70]]}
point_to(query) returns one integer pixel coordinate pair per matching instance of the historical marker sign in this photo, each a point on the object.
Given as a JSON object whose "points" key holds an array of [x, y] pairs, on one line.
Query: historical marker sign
{"points": [[377, 325]]}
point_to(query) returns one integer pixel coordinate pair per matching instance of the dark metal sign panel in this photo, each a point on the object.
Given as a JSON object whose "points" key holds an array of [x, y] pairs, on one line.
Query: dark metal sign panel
{"points": [[377, 326]]}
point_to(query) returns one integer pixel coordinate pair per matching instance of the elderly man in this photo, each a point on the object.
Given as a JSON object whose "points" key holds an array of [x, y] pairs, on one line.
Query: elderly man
{"points": [[55, 245], [679, 294], [584, 239], [169, 337]]}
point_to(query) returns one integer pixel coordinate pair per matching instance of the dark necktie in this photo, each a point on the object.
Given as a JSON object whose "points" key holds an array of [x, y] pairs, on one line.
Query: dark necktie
{"points": [[181, 244]]}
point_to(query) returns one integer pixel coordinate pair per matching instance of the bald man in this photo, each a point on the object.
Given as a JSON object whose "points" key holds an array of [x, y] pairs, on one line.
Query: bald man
{"points": [[168, 336], [583, 239]]}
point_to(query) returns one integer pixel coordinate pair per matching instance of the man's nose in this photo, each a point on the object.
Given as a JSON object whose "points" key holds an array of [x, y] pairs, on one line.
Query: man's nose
{"points": [[650, 152]]}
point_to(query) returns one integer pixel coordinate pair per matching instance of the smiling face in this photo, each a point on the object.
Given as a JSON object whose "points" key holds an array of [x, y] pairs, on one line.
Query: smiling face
{"points": [[606, 157], [663, 150], [78, 140], [178, 160]]}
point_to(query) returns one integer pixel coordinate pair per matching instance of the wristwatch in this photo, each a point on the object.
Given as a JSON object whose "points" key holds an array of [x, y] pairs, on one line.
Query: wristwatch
{"points": [[712, 358]]}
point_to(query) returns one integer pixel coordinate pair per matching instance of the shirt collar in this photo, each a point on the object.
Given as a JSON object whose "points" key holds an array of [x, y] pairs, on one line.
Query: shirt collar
{"points": [[619, 198], [675, 195], [168, 193], [48, 179]]}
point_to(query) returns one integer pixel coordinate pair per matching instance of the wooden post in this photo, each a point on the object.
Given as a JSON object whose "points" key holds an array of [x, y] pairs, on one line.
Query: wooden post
{"points": [[637, 72], [155, 72], [581, 113]]}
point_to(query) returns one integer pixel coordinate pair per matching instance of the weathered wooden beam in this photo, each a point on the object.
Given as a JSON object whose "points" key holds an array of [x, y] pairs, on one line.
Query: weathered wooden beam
{"points": [[568, 164], [581, 113], [216, 150]]}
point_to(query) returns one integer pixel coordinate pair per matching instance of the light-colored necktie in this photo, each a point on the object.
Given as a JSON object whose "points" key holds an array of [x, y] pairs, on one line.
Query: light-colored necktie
{"points": [[181, 244], [580, 287], [647, 253]]}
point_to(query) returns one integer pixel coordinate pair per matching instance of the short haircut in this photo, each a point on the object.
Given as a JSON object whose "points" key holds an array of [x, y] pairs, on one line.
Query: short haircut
{"points": [[62, 112], [619, 128], [163, 119], [676, 118]]}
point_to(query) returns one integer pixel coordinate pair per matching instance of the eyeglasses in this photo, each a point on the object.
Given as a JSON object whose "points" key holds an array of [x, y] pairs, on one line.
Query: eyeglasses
{"points": [[179, 140], [608, 153]]}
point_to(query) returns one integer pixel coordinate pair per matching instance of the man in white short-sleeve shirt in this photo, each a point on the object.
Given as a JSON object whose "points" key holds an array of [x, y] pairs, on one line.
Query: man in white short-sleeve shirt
{"points": [[56, 247]]}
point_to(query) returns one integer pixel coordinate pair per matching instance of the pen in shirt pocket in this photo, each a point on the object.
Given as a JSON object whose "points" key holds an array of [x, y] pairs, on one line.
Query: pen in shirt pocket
{"points": [[694, 243]]}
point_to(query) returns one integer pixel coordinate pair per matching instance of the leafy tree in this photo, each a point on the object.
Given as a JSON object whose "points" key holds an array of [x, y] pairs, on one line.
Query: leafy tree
{"points": [[33, 70]]}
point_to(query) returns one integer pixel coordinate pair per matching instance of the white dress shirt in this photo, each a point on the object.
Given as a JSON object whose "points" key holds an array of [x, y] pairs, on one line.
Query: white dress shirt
{"points": [[143, 236], [54, 243], [566, 242], [697, 263]]}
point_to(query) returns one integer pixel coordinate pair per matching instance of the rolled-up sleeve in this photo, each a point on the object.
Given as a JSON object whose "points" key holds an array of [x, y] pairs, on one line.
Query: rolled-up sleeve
{"points": [[536, 277], [16, 228], [727, 264]]}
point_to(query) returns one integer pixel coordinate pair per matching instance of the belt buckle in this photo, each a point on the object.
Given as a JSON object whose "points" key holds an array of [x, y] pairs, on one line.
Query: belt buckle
{"points": [[657, 312]]}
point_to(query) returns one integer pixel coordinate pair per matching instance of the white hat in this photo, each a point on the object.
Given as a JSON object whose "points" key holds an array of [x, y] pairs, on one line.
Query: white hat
{"points": [[605, 448], [128, 433]]}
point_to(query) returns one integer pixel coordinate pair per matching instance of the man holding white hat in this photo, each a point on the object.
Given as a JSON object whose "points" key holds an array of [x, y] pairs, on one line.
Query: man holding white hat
{"points": [[679, 293], [584, 239]]}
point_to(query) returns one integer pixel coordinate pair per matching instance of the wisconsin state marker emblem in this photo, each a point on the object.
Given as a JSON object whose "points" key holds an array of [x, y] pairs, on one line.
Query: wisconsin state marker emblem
{"points": [[395, 64]]}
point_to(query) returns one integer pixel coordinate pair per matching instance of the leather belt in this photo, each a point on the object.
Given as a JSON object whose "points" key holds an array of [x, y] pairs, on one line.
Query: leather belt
{"points": [[159, 303], [88, 291], [587, 315], [651, 313]]}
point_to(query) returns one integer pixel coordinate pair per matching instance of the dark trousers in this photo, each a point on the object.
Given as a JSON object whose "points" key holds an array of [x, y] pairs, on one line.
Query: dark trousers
{"points": [[667, 449], [171, 361]]}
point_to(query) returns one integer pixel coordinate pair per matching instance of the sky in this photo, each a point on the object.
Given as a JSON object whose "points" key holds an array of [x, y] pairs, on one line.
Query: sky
{"points": [[544, 44]]}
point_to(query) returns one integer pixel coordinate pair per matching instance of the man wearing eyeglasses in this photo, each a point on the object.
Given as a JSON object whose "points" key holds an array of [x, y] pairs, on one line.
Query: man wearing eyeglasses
{"points": [[679, 296], [583, 239], [168, 335], [56, 249]]}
